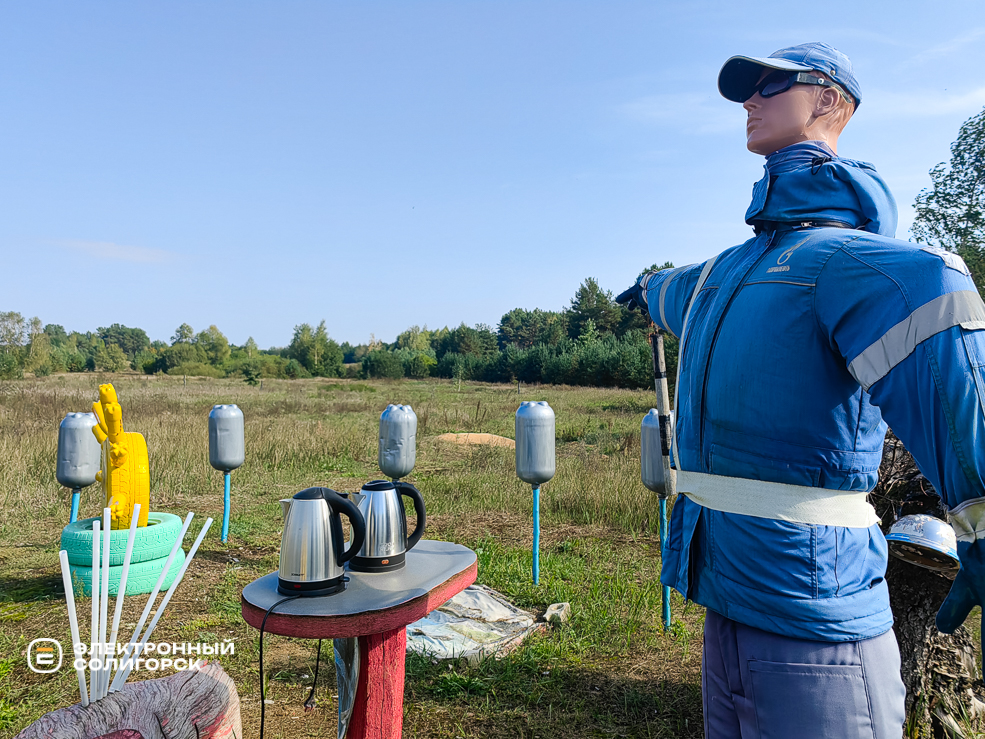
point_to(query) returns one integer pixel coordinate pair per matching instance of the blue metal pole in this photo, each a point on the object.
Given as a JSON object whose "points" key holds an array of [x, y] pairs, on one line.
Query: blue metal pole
{"points": [[225, 509], [74, 516], [665, 595], [536, 536]]}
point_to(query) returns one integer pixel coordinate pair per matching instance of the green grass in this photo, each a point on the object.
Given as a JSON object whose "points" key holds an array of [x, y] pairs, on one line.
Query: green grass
{"points": [[611, 671]]}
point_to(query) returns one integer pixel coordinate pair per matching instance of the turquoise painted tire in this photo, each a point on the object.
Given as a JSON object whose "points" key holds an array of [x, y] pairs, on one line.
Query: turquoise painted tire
{"points": [[141, 578], [153, 541]]}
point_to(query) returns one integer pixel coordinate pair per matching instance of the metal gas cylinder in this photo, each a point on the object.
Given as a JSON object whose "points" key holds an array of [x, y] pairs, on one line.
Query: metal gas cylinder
{"points": [[398, 441], [651, 454], [227, 443], [535, 461], [78, 451]]}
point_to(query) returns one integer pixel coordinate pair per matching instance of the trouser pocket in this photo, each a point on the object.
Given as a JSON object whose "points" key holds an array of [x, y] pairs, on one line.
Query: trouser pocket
{"points": [[810, 701]]}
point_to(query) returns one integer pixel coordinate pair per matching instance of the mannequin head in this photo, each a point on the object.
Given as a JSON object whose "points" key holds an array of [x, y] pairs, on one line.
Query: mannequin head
{"points": [[800, 93], [802, 113]]}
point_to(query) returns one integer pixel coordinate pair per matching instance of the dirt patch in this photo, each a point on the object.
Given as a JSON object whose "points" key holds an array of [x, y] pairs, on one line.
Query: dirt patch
{"points": [[477, 439]]}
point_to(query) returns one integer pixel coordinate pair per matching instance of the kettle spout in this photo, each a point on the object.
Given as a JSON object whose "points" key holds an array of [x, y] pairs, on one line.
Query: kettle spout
{"points": [[285, 506], [356, 498]]}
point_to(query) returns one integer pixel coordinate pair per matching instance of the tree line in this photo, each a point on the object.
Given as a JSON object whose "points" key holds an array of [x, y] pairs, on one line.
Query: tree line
{"points": [[593, 341]]}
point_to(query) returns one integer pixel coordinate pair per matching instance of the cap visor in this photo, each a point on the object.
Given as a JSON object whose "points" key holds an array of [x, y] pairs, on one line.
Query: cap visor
{"points": [[739, 76]]}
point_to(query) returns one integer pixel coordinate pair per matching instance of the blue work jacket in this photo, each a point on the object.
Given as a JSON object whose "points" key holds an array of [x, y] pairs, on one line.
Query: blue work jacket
{"points": [[799, 348]]}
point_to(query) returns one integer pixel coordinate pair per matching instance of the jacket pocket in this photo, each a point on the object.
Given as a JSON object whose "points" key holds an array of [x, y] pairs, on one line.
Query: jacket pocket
{"points": [[750, 465], [810, 701]]}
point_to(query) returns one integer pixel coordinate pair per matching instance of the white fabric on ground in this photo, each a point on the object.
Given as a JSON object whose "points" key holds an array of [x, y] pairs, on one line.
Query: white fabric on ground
{"points": [[475, 623]]}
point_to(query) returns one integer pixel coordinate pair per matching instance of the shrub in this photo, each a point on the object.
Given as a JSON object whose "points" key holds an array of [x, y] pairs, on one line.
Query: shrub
{"points": [[9, 368], [420, 366], [383, 364]]}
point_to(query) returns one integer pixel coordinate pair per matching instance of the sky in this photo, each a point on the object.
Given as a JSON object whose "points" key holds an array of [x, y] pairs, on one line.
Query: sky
{"points": [[378, 165]]}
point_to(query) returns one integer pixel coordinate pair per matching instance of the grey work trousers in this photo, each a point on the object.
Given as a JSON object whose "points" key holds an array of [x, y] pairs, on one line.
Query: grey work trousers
{"points": [[758, 685]]}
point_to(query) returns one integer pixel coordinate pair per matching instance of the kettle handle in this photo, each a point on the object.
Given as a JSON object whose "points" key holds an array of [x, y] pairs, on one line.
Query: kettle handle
{"points": [[405, 488], [339, 505]]}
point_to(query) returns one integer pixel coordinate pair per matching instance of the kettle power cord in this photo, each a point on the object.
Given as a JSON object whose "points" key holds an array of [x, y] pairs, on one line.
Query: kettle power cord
{"points": [[309, 702]]}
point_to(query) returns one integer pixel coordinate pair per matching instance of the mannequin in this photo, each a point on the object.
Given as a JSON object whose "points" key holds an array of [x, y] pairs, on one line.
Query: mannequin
{"points": [[798, 347], [800, 114]]}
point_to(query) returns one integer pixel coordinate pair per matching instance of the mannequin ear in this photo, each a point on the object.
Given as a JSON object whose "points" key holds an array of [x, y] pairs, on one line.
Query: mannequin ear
{"points": [[827, 102]]}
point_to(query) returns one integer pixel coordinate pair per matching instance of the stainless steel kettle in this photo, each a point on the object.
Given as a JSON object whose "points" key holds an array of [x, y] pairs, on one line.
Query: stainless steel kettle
{"points": [[386, 544], [312, 547]]}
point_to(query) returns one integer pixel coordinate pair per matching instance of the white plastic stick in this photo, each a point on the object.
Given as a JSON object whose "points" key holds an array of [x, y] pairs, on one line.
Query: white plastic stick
{"points": [[167, 597], [104, 599], [117, 682], [121, 592], [73, 624], [94, 587]]}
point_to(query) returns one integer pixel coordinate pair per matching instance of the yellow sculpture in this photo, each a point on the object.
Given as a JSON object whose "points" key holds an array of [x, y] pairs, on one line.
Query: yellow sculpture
{"points": [[125, 473]]}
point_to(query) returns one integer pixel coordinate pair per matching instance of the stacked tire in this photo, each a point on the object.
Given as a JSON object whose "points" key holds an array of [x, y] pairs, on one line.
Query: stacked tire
{"points": [[151, 546]]}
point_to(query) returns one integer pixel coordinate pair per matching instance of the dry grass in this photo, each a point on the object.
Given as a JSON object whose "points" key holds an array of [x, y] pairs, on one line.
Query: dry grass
{"points": [[613, 672]]}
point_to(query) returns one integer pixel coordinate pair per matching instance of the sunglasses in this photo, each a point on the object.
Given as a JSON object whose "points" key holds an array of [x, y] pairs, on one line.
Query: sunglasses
{"points": [[780, 81]]}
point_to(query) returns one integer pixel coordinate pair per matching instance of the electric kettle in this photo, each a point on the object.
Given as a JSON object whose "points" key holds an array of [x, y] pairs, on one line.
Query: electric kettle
{"points": [[312, 547], [386, 544]]}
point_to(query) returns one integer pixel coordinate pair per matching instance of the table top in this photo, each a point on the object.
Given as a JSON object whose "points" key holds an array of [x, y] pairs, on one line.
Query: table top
{"points": [[372, 603]]}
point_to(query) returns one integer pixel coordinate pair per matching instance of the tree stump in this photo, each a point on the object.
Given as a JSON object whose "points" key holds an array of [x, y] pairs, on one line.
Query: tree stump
{"points": [[193, 704], [938, 669]]}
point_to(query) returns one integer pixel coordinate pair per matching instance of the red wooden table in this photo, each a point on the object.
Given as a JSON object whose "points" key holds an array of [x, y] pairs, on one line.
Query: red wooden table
{"points": [[376, 608]]}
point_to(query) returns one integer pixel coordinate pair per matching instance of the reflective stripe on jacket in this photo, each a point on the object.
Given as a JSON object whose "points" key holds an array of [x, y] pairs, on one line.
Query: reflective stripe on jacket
{"points": [[798, 346]]}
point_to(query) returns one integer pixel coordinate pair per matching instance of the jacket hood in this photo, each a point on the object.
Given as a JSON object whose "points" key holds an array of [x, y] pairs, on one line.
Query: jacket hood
{"points": [[809, 181]]}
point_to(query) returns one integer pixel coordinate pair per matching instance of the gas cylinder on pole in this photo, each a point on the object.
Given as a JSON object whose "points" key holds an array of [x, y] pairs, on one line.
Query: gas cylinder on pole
{"points": [[398, 441], [227, 449], [78, 456], [535, 458]]}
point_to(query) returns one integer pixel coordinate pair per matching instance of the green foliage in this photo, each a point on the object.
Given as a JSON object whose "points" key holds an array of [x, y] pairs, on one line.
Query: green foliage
{"points": [[295, 371], [383, 364], [130, 340], [183, 334], [525, 328], [56, 334], [951, 213], [110, 358], [214, 344], [420, 365], [252, 372], [10, 368], [415, 338], [593, 303], [478, 342], [12, 330], [315, 351]]}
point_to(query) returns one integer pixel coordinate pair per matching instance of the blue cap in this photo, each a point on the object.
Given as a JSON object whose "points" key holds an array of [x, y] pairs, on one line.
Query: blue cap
{"points": [[740, 74]]}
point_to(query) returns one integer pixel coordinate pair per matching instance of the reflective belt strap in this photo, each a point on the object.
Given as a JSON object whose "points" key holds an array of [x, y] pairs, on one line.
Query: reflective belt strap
{"points": [[779, 501]]}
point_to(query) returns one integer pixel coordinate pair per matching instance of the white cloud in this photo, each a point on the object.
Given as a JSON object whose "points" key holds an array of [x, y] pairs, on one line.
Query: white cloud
{"points": [[693, 112], [118, 252], [915, 103], [945, 48]]}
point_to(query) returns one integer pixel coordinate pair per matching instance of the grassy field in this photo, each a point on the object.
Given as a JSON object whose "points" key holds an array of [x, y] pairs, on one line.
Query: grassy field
{"points": [[610, 672]]}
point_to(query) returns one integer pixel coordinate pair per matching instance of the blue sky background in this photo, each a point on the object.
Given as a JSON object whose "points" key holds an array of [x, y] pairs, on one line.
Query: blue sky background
{"points": [[382, 164]]}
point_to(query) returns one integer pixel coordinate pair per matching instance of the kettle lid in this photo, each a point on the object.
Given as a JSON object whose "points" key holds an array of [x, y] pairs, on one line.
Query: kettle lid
{"points": [[376, 485], [313, 494]]}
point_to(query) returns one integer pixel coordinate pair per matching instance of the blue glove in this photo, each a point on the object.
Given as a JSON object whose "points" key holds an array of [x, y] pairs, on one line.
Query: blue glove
{"points": [[968, 589], [635, 297]]}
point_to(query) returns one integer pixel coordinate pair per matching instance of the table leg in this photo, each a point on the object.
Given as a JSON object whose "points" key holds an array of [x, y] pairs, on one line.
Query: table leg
{"points": [[378, 712]]}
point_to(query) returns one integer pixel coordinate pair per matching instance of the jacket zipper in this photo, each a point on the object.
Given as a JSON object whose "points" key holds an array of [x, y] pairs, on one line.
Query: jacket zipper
{"points": [[773, 236]]}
